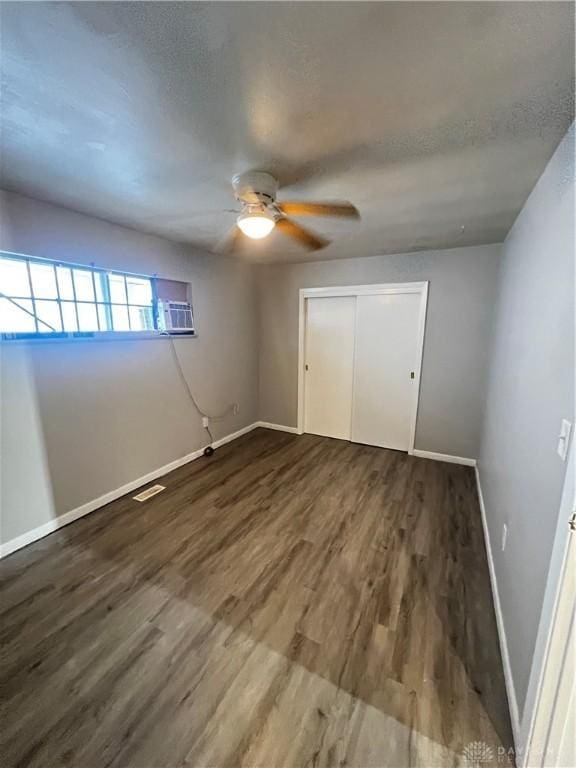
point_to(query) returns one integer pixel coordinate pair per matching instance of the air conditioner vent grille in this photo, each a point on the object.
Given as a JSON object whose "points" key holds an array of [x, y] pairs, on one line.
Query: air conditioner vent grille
{"points": [[176, 316], [149, 492]]}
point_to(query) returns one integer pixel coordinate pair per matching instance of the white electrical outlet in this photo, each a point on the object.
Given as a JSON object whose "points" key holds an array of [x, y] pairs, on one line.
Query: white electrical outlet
{"points": [[205, 421], [564, 439], [236, 409], [504, 536]]}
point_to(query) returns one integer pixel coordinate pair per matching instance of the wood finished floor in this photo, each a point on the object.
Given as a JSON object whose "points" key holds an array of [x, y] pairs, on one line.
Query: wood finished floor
{"points": [[292, 601]]}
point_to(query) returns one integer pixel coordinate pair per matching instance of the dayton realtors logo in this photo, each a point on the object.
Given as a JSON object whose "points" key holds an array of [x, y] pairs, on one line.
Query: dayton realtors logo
{"points": [[477, 754]]}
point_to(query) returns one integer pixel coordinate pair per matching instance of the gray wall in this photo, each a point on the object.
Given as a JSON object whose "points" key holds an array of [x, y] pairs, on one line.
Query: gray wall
{"points": [[460, 307], [530, 389], [82, 418]]}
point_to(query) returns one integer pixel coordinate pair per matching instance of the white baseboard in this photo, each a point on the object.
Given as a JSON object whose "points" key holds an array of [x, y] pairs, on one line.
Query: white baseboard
{"points": [[510, 690], [232, 436], [74, 514], [444, 457], [278, 427]]}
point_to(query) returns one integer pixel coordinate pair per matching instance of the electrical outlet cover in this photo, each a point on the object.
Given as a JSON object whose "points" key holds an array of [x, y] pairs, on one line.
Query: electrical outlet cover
{"points": [[564, 439], [504, 536]]}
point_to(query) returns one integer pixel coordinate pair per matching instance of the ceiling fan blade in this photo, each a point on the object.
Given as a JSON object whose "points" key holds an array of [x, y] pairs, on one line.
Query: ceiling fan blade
{"points": [[295, 208], [232, 242], [303, 236]]}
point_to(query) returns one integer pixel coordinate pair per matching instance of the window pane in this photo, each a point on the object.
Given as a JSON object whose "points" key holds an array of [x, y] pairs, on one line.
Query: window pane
{"points": [[120, 318], [117, 288], [16, 320], [48, 312], [72, 298], [65, 282], [103, 316], [83, 285], [100, 283], [87, 319], [139, 290], [141, 319], [14, 277], [43, 281], [69, 314]]}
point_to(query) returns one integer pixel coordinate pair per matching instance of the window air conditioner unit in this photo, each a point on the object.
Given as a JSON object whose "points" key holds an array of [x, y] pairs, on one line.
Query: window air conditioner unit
{"points": [[175, 317]]}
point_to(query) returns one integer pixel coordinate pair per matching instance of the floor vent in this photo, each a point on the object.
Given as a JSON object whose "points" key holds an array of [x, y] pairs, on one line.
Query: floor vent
{"points": [[149, 492]]}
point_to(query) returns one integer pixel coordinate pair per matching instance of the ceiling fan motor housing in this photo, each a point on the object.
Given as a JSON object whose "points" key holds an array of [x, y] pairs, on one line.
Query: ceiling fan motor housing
{"points": [[255, 187]]}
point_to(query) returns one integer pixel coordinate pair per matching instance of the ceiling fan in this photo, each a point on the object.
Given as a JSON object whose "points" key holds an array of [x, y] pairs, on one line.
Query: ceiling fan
{"points": [[261, 213]]}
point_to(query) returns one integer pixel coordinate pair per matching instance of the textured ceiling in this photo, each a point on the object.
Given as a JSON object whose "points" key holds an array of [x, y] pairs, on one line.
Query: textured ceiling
{"points": [[435, 119]]}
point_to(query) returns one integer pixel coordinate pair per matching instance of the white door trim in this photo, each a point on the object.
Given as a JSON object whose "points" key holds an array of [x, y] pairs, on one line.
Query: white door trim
{"points": [[363, 290], [537, 713]]}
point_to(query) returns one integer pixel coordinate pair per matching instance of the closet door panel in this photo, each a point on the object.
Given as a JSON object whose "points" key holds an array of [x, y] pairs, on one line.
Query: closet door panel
{"points": [[329, 360], [385, 356]]}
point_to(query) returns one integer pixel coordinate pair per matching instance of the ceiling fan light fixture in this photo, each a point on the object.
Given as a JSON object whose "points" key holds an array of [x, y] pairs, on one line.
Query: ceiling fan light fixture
{"points": [[256, 222]]}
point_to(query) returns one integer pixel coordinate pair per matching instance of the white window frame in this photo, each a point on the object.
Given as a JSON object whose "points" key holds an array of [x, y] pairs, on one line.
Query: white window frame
{"points": [[103, 335]]}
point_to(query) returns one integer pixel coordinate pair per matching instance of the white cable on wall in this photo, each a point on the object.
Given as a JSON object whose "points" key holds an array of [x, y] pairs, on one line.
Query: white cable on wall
{"points": [[228, 410]]}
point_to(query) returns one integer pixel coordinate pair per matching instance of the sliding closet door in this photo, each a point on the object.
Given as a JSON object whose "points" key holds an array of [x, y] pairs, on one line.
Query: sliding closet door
{"points": [[386, 355], [329, 366]]}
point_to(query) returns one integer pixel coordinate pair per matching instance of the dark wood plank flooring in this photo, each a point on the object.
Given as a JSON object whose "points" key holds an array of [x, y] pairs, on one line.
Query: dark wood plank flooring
{"points": [[292, 601]]}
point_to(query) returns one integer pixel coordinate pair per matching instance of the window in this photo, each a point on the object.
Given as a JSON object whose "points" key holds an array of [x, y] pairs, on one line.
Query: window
{"points": [[40, 297]]}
